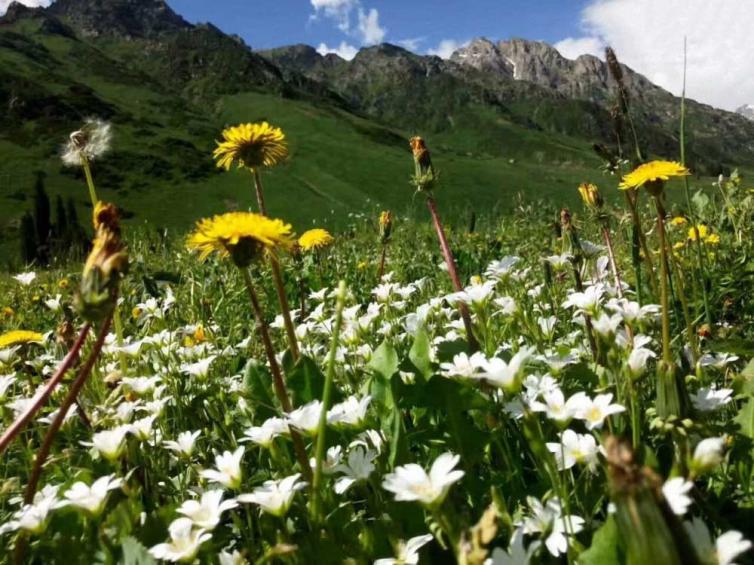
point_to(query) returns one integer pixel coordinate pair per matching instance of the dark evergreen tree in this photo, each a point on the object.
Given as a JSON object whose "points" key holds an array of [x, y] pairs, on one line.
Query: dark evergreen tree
{"points": [[42, 222], [28, 239], [61, 221]]}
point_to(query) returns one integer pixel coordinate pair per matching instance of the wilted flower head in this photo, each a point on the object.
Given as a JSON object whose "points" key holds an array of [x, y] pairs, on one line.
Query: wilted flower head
{"points": [[89, 143], [251, 146], [386, 226], [425, 177], [241, 235], [107, 262]]}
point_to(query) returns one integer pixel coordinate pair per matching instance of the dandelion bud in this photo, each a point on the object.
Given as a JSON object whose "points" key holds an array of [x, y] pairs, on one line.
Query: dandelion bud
{"points": [[107, 262], [386, 226], [649, 529], [591, 196], [425, 176]]}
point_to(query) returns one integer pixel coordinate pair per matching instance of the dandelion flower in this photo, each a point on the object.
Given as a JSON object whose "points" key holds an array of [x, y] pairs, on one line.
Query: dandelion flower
{"points": [[20, 337], [652, 172], [89, 143], [315, 239], [251, 146], [241, 235]]}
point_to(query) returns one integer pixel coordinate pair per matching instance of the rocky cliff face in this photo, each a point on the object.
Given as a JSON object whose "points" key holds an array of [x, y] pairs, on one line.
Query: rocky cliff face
{"points": [[747, 111], [125, 18]]}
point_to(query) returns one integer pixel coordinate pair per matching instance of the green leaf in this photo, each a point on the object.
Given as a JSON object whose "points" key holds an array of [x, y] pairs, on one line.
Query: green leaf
{"points": [[257, 383], [134, 553], [385, 360], [605, 548], [420, 354], [306, 382]]}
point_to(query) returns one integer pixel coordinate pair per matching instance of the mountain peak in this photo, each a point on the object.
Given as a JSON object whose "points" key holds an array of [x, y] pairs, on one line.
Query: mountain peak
{"points": [[127, 18], [747, 111]]}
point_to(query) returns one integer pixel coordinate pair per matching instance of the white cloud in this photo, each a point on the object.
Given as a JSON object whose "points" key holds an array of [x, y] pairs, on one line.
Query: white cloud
{"points": [[31, 3], [446, 48], [369, 27], [338, 10], [344, 50], [648, 36], [571, 47], [411, 43]]}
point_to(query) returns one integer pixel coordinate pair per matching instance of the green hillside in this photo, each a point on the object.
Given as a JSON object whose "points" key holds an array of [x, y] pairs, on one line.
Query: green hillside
{"points": [[161, 172]]}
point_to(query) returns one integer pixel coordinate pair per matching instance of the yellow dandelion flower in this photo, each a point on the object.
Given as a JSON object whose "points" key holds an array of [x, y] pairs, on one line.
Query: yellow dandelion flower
{"points": [[8, 312], [199, 335], [652, 172], [241, 235], [63, 283], [136, 313], [679, 245], [702, 231], [678, 221], [591, 196], [362, 265], [19, 337], [251, 146], [315, 239], [713, 239]]}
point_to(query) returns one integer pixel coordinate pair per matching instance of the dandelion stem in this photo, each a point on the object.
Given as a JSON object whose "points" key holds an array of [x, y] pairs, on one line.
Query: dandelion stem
{"points": [[315, 507], [450, 262], [66, 364], [632, 199], [277, 278], [667, 355], [290, 330], [277, 376], [89, 180], [73, 392], [259, 192], [383, 255]]}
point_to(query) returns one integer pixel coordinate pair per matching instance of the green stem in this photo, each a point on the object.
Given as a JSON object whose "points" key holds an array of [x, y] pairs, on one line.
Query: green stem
{"points": [[667, 355], [281, 390], [89, 180], [316, 502]]}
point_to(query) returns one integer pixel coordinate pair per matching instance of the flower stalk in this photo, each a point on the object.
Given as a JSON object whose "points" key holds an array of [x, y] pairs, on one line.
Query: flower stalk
{"points": [[425, 179], [277, 278], [316, 501], [281, 390], [70, 359]]}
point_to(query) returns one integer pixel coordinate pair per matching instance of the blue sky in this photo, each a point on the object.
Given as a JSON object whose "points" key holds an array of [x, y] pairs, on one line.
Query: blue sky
{"points": [[270, 23], [648, 35]]}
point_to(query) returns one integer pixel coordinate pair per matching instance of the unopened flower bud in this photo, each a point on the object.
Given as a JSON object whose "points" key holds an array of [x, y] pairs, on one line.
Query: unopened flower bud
{"points": [[591, 196]]}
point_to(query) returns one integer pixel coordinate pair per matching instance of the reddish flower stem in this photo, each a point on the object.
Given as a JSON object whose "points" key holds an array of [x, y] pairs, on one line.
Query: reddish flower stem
{"points": [[73, 393], [450, 262], [16, 427]]}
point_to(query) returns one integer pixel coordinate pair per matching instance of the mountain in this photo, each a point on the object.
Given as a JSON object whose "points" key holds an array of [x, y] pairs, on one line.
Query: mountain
{"points": [[525, 82], [747, 111], [500, 117]]}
